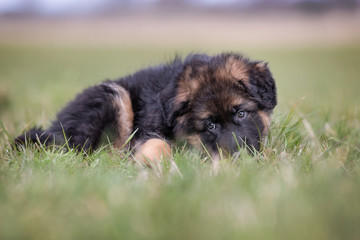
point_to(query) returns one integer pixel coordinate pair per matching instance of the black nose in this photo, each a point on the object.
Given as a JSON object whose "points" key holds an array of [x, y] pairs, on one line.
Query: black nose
{"points": [[232, 143]]}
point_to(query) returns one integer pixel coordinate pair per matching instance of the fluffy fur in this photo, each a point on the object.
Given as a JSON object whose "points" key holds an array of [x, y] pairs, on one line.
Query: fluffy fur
{"points": [[223, 101]]}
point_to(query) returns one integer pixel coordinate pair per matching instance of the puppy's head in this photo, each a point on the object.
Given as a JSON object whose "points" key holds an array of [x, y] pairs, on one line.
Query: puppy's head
{"points": [[225, 101]]}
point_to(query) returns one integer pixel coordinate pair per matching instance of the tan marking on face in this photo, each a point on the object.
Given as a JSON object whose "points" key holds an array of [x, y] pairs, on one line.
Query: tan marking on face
{"points": [[182, 119], [153, 151], [266, 119], [125, 114], [195, 141], [180, 129], [204, 114], [237, 101]]}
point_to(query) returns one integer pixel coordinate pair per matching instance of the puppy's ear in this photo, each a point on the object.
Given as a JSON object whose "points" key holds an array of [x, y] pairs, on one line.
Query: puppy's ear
{"points": [[195, 73], [261, 85], [174, 103], [178, 109]]}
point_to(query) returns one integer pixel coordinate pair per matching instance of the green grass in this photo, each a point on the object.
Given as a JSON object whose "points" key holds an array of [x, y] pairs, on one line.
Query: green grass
{"points": [[305, 184]]}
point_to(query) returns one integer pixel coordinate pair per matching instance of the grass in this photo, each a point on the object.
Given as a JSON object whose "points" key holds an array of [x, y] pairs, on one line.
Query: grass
{"points": [[303, 185]]}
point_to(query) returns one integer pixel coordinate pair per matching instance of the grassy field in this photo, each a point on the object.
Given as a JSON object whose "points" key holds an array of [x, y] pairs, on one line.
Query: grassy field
{"points": [[305, 184]]}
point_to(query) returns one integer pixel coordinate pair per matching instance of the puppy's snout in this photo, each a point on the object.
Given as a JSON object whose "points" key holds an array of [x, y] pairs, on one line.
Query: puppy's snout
{"points": [[232, 143]]}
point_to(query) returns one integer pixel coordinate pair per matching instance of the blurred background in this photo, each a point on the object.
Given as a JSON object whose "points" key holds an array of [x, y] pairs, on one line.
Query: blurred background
{"points": [[198, 23], [313, 47], [52, 49]]}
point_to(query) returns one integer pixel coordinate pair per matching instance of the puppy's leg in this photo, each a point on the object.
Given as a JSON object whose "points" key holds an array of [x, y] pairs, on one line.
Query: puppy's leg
{"points": [[153, 151], [124, 115]]}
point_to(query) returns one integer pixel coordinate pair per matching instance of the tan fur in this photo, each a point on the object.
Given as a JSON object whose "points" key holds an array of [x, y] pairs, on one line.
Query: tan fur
{"points": [[261, 66], [266, 118], [234, 68], [193, 84], [195, 141], [237, 69], [249, 105], [237, 101], [153, 151], [182, 119], [189, 85], [182, 95], [205, 114], [125, 115]]}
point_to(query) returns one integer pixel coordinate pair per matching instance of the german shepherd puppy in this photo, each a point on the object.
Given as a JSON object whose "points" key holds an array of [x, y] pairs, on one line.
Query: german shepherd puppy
{"points": [[213, 102]]}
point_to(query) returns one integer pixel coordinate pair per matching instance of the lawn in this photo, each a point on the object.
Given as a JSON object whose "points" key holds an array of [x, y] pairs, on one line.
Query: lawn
{"points": [[304, 184]]}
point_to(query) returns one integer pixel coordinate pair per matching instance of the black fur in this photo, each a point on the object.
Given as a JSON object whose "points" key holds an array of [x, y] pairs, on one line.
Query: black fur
{"points": [[81, 123], [160, 113]]}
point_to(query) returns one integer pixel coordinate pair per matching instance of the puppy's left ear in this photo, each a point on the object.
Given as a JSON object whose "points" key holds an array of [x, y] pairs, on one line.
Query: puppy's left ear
{"points": [[173, 107], [178, 110], [261, 85], [193, 74]]}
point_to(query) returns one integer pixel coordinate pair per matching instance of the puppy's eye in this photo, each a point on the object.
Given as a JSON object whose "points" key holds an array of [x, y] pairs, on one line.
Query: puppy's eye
{"points": [[241, 114], [211, 126]]}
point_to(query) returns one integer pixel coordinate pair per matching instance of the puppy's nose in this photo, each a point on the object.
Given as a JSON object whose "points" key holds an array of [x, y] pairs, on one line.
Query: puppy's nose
{"points": [[236, 143]]}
